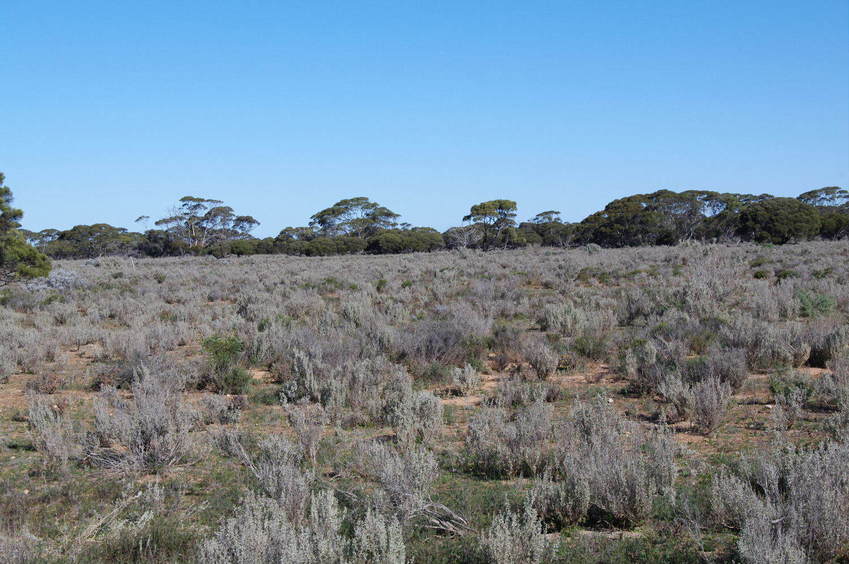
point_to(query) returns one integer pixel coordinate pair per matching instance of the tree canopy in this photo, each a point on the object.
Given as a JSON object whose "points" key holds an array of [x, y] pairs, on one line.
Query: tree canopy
{"points": [[779, 220], [358, 225], [831, 196], [18, 259], [202, 222], [355, 217], [493, 218]]}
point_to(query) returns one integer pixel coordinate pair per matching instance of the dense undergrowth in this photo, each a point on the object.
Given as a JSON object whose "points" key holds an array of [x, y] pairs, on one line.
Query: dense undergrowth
{"points": [[655, 404]]}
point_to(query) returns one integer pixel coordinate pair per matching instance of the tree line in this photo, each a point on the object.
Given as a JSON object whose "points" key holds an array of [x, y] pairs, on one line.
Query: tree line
{"points": [[198, 226]]}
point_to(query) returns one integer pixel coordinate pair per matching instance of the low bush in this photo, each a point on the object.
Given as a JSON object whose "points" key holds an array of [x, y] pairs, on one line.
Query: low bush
{"points": [[149, 432], [52, 432], [812, 304], [711, 399], [225, 376], [517, 538], [499, 446], [788, 505], [607, 470], [465, 380]]}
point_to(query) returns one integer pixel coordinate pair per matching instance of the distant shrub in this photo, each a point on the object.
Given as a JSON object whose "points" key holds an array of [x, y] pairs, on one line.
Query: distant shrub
{"points": [[645, 363], [223, 410], [727, 365], [516, 392], [591, 346], [378, 539], [561, 503], [308, 426], [833, 388], [539, 355], [45, 383], [832, 346], [680, 394], [792, 384], [7, 366], [561, 317], [786, 273], [58, 279], [404, 477], [262, 531]]}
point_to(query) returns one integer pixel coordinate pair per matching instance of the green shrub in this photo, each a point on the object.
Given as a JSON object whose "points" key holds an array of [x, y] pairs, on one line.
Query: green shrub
{"points": [[224, 353], [786, 385], [786, 273], [237, 380], [591, 346], [812, 304]]}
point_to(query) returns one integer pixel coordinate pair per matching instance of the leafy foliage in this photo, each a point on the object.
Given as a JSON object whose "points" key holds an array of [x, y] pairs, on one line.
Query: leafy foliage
{"points": [[18, 260]]}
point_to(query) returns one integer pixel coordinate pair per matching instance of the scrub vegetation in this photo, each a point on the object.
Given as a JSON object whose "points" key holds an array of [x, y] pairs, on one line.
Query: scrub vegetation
{"points": [[679, 403]]}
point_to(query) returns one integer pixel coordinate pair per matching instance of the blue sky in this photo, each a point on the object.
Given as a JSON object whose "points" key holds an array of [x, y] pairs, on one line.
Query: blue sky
{"points": [[111, 110]]}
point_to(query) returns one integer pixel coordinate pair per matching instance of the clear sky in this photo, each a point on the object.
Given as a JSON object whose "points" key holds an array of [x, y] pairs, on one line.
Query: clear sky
{"points": [[110, 110]]}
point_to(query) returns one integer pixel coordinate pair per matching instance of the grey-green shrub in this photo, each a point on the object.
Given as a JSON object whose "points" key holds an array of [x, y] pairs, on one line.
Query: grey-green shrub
{"points": [[152, 429], [516, 538], [378, 538], [623, 469], [466, 380], [52, 432], [263, 532], [788, 505], [711, 399]]}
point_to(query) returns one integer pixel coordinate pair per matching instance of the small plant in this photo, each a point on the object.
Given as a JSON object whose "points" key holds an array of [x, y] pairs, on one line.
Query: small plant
{"points": [[812, 304], [465, 380], [516, 538], [758, 261], [52, 432], [786, 273], [711, 399], [792, 386], [148, 433], [45, 383], [222, 410], [539, 355], [226, 377]]}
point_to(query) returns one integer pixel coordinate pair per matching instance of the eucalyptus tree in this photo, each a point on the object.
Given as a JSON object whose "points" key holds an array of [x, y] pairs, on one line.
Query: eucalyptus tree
{"points": [[492, 218], [202, 222], [355, 217]]}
